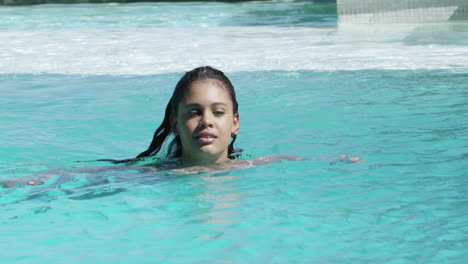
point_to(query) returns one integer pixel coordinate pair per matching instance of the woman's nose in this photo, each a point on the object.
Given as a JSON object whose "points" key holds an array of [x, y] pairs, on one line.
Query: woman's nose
{"points": [[206, 120]]}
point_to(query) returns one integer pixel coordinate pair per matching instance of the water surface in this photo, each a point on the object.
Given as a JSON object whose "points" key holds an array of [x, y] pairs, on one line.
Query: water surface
{"points": [[83, 82]]}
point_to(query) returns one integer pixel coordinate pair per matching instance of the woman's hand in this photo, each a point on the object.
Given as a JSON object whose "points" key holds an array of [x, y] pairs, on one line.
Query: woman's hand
{"points": [[13, 182], [354, 159]]}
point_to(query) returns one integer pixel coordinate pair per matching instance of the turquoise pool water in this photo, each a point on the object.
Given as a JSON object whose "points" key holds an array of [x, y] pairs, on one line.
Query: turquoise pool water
{"points": [[84, 82]]}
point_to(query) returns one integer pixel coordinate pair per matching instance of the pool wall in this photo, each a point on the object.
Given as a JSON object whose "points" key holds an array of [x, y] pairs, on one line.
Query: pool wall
{"points": [[35, 2], [401, 11], [349, 11]]}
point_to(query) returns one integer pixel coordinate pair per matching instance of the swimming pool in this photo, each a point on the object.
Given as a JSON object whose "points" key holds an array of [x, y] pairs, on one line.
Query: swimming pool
{"points": [[83, 82]]}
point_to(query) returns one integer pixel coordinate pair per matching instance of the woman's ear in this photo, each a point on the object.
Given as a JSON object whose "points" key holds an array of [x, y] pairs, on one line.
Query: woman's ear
{"points": [[174, 126], [235, 127]]}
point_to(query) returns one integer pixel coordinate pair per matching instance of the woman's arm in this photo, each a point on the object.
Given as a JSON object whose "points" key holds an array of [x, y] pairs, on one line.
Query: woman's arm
{"points": [[343, 158], [279, 157], [274, 158]]}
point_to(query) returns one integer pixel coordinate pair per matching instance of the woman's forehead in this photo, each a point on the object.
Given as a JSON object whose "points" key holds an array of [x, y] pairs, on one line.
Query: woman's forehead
{"points": [[206, 90]]}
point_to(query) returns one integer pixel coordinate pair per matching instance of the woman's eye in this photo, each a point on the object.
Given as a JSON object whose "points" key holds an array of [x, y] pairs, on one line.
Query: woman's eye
{"points": [[194, 113]]}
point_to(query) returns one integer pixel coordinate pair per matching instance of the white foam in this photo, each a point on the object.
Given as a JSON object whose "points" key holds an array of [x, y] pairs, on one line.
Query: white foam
{"points": [[142, 51]]}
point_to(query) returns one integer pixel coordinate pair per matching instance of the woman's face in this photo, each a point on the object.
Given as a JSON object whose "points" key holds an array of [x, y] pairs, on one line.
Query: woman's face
{"points": [[205, 122]]}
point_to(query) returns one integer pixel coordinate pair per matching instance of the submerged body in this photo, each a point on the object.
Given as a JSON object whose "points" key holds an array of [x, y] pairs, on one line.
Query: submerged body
{"points": [[176, 166]]}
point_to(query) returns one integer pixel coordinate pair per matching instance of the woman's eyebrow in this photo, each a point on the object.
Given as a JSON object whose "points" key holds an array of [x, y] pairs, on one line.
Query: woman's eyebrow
{"points": [[212, 105], [191, 105], [219, 104]]}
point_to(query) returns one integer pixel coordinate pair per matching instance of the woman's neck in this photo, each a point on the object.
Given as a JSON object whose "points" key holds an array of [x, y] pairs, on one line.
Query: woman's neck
{"points": [[204, 160]]}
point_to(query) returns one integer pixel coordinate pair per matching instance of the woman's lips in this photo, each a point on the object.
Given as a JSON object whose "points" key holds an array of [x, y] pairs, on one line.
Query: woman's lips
{"points": [[206, 137]]}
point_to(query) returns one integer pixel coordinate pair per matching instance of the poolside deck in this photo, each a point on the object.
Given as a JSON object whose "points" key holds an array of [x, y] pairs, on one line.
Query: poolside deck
{"points": [[401, 11]]}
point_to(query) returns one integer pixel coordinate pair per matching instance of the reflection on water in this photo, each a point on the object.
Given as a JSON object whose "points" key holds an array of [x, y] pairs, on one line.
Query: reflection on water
{"points": [[222, 194]]}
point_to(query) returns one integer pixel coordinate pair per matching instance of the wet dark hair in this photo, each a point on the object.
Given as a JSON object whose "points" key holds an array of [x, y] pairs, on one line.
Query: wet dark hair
{"points": [[165, 130]]}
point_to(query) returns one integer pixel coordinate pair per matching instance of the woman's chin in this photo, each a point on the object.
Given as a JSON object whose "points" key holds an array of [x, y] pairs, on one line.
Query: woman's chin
{"points": [[207, 154], [207, 149]]}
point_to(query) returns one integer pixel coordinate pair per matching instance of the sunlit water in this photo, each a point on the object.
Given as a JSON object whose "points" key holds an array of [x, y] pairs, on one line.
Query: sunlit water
{"points": [[84, 82]]}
